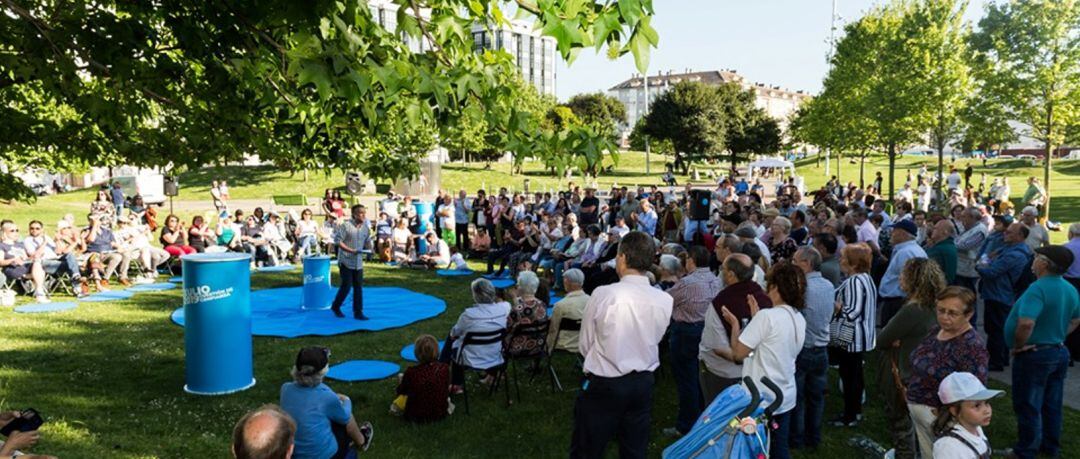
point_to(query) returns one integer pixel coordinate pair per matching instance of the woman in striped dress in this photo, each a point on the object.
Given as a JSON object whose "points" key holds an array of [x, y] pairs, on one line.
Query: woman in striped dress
{"points": [[856, 305]]}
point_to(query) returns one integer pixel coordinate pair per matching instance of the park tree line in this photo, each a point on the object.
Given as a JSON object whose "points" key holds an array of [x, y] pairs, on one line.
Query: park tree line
{"points": [[307, 85], [914, 72]]}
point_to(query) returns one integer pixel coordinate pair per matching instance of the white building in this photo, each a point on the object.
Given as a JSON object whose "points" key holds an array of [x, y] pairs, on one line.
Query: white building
{"points": [[385, 14], [779, 103], [533, 53]]}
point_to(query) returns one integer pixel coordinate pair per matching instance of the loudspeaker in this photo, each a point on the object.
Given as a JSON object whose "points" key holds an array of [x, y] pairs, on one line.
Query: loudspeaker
{"points": [[699, 204], [353, 183], [172, 186]]}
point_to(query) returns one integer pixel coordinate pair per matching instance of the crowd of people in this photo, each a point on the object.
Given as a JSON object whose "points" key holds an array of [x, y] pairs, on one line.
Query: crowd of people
{"points": [[728, 282]]}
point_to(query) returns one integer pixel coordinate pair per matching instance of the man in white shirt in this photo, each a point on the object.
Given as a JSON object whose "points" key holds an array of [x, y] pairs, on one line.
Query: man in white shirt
{"points": [[953, 180], [39, 246], [1037, 234], [620, 336]]}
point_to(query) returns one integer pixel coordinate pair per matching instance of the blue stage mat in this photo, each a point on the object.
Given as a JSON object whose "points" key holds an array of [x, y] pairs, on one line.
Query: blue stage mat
{"points": [[409, 352], [46, 307], [455, 272], [276, 312], [362, 370], [275, 269], [177, 279], [152, 287], [493, 276], [503, 283], [111, 295]]}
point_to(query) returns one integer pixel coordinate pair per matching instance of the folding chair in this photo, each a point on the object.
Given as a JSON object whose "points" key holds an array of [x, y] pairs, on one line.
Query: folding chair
{"points": [[534, 332], [480, 339], [565, 324]]}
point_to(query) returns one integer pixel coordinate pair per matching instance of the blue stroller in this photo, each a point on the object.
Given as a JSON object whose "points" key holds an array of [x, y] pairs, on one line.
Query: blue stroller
{"points": [[732, 426]]}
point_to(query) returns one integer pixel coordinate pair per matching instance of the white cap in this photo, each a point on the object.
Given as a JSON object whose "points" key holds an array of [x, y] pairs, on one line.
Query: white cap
{"points": [[961, 386]]}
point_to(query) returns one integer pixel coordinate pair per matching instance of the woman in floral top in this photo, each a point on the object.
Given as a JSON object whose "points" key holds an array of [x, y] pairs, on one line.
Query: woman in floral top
{"points": [[781, 245], [527, 309], [953, 347]]}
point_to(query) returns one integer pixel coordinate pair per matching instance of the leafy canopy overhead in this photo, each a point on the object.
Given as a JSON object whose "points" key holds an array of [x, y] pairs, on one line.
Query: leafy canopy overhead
{"points": [[317, 84]]}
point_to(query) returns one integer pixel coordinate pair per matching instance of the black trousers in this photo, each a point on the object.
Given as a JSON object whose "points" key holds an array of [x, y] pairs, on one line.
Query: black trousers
{"points": [[619, 408], [994, 325], [461, 237], [502, 255], [350, 279], [851, 375]]}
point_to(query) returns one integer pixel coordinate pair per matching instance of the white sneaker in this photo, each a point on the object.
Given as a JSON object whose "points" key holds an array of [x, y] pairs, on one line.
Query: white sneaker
{"points": [[144, 280], [42, 299]]}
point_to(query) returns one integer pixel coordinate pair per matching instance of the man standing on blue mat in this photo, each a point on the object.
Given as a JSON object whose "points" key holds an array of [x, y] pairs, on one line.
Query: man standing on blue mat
{"points": [[351, 237]]}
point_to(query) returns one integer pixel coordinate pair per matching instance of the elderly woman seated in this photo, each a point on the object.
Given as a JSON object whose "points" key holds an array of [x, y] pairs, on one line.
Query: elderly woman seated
{"points": [[487, 314], [527, 309], [325, 426]]}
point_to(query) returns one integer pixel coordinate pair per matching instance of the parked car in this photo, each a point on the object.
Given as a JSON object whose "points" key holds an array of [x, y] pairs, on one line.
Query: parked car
{"points": [[150, 186]]}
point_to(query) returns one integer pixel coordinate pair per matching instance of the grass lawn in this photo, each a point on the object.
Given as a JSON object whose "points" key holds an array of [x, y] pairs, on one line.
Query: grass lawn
{"points": [[108, 377]]}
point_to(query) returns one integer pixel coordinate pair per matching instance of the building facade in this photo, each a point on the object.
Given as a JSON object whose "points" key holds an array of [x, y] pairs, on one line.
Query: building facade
{"points": [[779, 103], [533, 53]]}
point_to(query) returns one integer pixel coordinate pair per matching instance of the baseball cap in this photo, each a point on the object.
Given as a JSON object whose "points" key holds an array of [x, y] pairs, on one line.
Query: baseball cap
{"points": [[908, 226], [1058, 254], [961, 386], [315, 358]]}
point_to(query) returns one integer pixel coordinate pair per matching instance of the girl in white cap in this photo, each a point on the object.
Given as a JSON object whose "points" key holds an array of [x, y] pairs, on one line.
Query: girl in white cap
{"points": [[964, 412]]}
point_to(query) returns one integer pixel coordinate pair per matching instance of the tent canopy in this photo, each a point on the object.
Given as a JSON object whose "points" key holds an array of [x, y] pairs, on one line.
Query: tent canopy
{"points": [[771, 163]]}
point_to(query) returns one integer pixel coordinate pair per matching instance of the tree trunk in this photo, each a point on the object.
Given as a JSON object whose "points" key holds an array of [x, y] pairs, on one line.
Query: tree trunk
{"points": [[838, 161], [305, 175], [862, 170], [1049, 157], [892, 168], [940, 169]]}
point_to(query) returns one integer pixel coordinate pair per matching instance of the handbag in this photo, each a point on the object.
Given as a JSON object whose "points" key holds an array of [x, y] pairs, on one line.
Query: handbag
{"points": [[841, 332]]}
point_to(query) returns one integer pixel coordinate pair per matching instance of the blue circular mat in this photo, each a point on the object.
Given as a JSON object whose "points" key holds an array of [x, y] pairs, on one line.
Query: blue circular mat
{"points": [[494, 276], [276, 312], [275, 269], [152, 287], [454, 272], [176, 279], [45, 307], [409, 352], [111, 295], [503, 283], [362, 370]]}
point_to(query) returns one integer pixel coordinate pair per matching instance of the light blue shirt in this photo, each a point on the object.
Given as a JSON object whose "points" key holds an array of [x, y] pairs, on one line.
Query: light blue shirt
{"points": [[820, 300], [462, 207], [313, 409], [355, 235], [890, 282], [647, 222]]}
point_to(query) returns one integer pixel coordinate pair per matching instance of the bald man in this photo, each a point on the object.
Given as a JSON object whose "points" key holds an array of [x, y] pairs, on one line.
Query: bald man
{"points": [[941, 248], [267, 432]]}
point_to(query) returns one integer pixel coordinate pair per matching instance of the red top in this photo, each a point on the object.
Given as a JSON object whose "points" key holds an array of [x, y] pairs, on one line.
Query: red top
{"points": [[428, 387]]}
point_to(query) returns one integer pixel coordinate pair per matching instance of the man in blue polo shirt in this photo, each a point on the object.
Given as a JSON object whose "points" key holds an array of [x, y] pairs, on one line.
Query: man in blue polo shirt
{"points": [[1036, 329]]}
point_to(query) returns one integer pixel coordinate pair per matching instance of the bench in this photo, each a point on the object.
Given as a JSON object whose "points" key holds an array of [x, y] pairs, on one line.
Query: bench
{"points": [[290, 200]]}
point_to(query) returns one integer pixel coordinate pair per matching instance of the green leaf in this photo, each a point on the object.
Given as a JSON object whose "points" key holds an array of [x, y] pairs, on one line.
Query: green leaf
{"points": [[640, 47], [630, 10]]}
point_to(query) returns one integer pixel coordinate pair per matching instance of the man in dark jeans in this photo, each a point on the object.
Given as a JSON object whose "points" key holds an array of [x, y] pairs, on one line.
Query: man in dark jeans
{"points": [[812, 364], [1036, 329], [692, 296], [998, 292], [512, 239], [462, 208], [351, 237]]}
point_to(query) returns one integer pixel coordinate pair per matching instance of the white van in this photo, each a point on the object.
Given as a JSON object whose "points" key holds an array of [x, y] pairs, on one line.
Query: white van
{"points": [[150, 186]]}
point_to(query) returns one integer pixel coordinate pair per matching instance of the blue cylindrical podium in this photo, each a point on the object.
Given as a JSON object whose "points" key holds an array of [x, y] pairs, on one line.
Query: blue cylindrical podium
{"points": [[316, 282], [217, 323], [424, 211]]}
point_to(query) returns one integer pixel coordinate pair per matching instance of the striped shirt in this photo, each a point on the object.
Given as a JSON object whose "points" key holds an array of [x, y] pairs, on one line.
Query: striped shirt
{"points": [[858, 300], [693, 295], [355, 236]]}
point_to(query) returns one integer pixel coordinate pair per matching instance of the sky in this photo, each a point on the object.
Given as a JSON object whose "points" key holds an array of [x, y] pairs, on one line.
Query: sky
{"points": [[776, 42]]}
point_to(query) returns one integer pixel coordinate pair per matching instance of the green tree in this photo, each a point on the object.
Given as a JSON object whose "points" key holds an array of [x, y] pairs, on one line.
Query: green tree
{"points": [[942, 45], [598, 109], [1033, 48], [306, 84], [759, 134], [690, 115], [658, 146]]}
